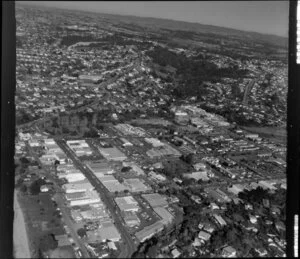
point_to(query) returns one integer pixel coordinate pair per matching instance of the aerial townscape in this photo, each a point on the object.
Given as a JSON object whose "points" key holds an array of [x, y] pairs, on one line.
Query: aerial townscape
{"points": [[148, 138]]}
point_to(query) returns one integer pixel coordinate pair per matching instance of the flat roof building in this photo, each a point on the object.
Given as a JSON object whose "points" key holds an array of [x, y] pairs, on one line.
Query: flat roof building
{"points": [[127, 203], [130, 218], [220, 220], [108, 231], [165, 150], [197, 175], [89, 197], [94, 214], [154, 142], [165, 215], [136, 185], [77, 187], [155, 200], [113, 154], [149, 231], [204, 236], [76, 196], [99, 167], [111, 183]]}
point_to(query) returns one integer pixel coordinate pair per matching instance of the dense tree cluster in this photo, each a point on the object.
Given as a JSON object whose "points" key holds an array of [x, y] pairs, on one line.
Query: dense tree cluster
{"points": [[72, 39], [192, 72], [35, 186], [48, 242], [234, 233]]}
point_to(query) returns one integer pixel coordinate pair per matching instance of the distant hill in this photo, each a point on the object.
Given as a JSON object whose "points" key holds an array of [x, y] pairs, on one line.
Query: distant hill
{"points": [[159, 23]]}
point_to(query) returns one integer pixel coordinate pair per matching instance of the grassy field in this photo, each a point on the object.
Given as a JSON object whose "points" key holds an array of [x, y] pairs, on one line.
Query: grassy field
{"points": [[63, 252], [40, 218]]}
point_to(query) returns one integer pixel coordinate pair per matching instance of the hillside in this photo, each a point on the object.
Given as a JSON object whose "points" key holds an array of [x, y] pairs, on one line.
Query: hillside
{"points": [[159, 24]]}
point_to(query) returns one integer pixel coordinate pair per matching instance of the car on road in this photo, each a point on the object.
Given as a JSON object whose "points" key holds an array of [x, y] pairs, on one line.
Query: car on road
{"points": [[78, 252]]}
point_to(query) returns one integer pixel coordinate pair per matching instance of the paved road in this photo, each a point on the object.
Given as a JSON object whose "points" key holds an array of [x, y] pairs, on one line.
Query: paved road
{"points": [[67, 220], [105, 196]]}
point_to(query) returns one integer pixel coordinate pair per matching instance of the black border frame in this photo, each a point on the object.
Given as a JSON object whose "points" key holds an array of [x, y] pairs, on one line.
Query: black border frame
{"points": [[8, 83], [293, 131]]}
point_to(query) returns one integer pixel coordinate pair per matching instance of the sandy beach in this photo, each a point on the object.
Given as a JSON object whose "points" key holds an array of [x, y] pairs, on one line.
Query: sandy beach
{"points": [[21, 244]]}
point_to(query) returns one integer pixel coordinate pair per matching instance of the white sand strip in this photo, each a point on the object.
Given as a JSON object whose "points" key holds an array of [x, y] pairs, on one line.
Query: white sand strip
{"points": [[20, 238]]}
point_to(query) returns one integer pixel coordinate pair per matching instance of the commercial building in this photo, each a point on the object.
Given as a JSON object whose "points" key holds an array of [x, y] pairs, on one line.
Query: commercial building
{"points": [[99, 168], [204, 236], [200, 166], [126, 143], [134, 167], [130, 218], [48, 159], [33, 143], [75, 196], [77, 187], [108, 231], [127, 203], [157, 177], [165, 215], [111, 183], [154, 142], [130, 130], [79, 147], [112, 154], [266, 185], [67, 168], [229, 251], [49, 141], [75, 214], [94, 214], [236, 188], [149, 231], [136, 185], [88, 198], [182, 117], [114, 186], [197, 175], [220, 220], [218, 195], [72, 177], [175, 253], [155, 200], [52, 148], [165, 150]]}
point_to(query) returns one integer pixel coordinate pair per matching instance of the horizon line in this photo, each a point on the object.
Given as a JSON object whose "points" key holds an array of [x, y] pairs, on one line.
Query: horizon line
{"points": [[145, 17]]}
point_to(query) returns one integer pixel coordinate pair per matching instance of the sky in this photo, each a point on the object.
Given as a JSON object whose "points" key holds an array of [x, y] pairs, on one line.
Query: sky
{"points": [[270, 17]]}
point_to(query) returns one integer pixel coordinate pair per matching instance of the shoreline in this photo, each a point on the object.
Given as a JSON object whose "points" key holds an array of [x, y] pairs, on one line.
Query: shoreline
{"points": [[20, 237]]}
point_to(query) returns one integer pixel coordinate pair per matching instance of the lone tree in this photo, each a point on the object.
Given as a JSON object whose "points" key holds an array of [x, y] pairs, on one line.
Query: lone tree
{"points": [[48, 242], [36, 185], [81, 232]]}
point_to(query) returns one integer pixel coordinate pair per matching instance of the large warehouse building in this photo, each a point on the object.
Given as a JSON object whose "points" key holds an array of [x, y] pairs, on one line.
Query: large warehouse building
{"points": [[111, 183], [149, 231], [127, 203], [155, 200], [136, 185], [112, 154]]}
